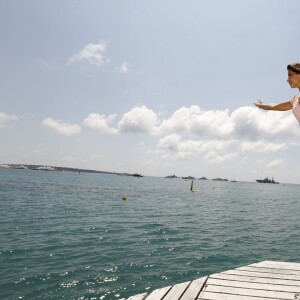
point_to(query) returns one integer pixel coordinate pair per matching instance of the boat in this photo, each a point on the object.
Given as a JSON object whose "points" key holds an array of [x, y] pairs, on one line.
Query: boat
{"points": [[188, 177], [5, 166], [20, 167], [171, 176], [137, 175], [220, 179], [44, 168], [267, 180], [233, 180]]}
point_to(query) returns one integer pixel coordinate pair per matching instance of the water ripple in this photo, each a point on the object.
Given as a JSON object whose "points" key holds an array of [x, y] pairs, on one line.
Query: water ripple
{"points": [[69, 235]]}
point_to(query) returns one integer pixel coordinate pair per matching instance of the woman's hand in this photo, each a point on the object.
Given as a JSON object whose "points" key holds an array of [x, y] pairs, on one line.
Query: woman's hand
{"points": [[258, 103]]}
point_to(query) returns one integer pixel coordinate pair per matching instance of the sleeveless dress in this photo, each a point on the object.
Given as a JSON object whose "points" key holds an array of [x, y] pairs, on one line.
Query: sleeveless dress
{"points": [[296, 107]]}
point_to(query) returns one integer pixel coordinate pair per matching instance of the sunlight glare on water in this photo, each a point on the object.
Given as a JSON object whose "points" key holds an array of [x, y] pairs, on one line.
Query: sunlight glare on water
{"points": [[69, 235]]}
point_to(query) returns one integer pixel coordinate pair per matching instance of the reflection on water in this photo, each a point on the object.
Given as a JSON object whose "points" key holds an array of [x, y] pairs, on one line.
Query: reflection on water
{"points": [[71, 235]]}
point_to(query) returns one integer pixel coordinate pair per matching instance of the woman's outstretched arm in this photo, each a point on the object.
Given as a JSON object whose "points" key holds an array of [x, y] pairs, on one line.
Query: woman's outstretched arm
{"points": [[280, 106]]}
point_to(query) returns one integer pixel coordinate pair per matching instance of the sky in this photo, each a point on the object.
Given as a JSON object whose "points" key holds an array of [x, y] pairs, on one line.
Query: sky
{"points": [[153, 87]]}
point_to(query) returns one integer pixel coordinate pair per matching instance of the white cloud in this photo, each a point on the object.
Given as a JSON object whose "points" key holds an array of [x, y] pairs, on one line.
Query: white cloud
{"points": [[275, 163], [92, 54], [182, 149], [100, 123], [214, 123], [170, 142], [247, 123], [254, 124], [256, 128], [216, 135], [261, 146], [62, 128], [139, 119], [214, 157], [180, 121], [5, 117], [124, 67], [213, 131]]}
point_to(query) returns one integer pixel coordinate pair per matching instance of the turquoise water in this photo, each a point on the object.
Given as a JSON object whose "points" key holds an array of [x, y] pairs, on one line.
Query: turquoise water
{"points": [[71, 236]]}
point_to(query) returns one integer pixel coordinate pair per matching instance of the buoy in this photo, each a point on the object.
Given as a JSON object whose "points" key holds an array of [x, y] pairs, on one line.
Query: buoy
{"points": [[192, 186], [124, 197]]}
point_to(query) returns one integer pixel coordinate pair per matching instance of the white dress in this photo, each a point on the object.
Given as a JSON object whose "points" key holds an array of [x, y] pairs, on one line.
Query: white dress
{"points": [[296, 107]]}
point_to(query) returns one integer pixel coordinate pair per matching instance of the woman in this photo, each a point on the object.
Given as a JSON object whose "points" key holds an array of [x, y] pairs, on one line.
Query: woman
{"points": [[294, 103]]}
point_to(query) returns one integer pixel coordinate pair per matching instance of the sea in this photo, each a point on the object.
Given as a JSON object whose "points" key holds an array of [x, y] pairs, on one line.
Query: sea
{"points": [[68, 235]]}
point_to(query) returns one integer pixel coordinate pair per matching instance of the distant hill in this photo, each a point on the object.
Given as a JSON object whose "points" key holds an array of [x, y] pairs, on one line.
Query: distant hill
{"points": [[59, 169]]}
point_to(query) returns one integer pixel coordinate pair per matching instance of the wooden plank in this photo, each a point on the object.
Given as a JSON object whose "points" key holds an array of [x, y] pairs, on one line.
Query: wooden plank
{"points": [[248, 292], [194, 289], [256, 279], [277, 265], [176, 291], [268, 270], [262, 275], [264, 280], [138, 297], [159, 293], [254, 286], [214, 296]]}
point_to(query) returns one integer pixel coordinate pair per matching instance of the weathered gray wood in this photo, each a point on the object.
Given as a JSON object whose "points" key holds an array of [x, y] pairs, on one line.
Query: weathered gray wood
{"points": [[194, 289], [256, 279], [214, 296], [247, 292], [138, 297], [263, 275], [269, 270], [253, 285], [176, 291], [159, 293], [259, 281], [277, 265]]}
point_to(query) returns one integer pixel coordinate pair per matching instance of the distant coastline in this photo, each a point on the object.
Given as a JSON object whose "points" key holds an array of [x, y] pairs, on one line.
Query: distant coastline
{"points": [[49, 168], [61, 169]]}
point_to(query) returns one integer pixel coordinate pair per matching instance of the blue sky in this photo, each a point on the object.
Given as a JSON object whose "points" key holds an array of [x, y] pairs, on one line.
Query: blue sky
{"points": [[155, 87]]}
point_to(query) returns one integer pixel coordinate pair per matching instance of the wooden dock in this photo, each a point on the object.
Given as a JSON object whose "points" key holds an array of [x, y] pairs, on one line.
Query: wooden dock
{"points": [[260, 281]]}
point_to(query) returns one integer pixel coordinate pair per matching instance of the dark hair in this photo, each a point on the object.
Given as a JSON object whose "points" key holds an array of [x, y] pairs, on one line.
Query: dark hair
{"points": [[294, 67]]}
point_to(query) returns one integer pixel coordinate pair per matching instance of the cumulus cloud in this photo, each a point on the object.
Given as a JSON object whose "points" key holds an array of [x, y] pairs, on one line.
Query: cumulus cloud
{"points": [[124, 68], [275, 163], [62, 128], [246, 129], [186, 148], [139, 120], [253, 124], [261, 146], [215, 157], [216, 135], [92, 54], [255, 129], [214, 123], [170, 142], [5, 117], [247, 123], [100, 123]]}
